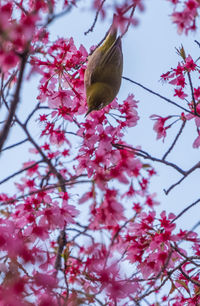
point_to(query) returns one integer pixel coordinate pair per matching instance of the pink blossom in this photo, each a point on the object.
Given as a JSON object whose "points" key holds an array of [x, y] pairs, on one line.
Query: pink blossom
{"points": [[46, 281], [159, 127], [165, 76], [197, 93], [179, 81], [8, 60], [110, 211], [192, 5], [180, 93], [196, 143], [32, 170], [150, 200], [179, 69], [182, 20], [190, 64], [196, 118]]}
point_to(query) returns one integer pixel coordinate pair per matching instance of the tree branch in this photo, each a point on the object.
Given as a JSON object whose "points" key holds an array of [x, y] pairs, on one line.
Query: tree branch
{"points": [[15, 145], [175, 140], [20, 171], [67, 183], [61, 244], [195, 282], [129, 22], [192, 92], [146, 155], [14, 103], [95, 19], [185, 175], [163, 282], [184, 210], [160, 96]]}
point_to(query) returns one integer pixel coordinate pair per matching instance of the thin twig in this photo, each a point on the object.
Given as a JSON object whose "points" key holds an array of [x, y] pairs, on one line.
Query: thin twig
{"points": [[195, 226], [95, 19], [197, 166], [32, 113], [67, 183], [14, 103], [146, 155], [53, 17], [179, 267], [184, 210], [45, 159], [175, 140], [196, 41], [192, 92], [15, 145], [166, 191], [19, 172], [163, 282], [194, 281], [160, 96], [131, 15], [61, 244], [21, 7], [190, 259]]}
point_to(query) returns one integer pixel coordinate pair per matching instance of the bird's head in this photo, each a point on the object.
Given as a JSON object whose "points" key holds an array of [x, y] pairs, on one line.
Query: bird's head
{"points": [[98, 96]]}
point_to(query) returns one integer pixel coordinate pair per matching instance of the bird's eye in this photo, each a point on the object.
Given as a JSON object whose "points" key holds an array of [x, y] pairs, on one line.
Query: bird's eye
{"points": [[101, 105]]}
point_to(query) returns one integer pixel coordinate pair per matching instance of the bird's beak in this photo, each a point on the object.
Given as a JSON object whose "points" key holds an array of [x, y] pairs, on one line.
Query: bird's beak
{"points": [[89, 111]]}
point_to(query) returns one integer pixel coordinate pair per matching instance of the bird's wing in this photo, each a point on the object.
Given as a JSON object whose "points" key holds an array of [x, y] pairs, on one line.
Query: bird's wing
{"points": [[112, 59], [112, 55], [91, 67]]}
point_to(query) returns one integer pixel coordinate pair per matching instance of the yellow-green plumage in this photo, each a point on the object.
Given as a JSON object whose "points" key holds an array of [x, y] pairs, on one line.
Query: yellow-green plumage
{"points": [[104, 71]]}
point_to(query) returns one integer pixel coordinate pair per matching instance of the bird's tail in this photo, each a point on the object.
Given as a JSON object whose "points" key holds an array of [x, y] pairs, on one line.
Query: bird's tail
{"points": [[111, 36]]}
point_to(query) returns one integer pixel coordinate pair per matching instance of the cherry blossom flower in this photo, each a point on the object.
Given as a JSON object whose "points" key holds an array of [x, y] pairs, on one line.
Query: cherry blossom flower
{"points": [[180, 93], [196, 143], [159, 127]]}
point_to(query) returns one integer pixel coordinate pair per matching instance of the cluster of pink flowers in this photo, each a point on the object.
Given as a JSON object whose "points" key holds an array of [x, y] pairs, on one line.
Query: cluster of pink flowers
{"points": [[177, 76], [17, 32], [185, 14], [180, 78]]}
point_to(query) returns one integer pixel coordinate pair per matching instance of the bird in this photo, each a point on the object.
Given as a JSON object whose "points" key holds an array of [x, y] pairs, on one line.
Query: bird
{"points": [[102, 78]]}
